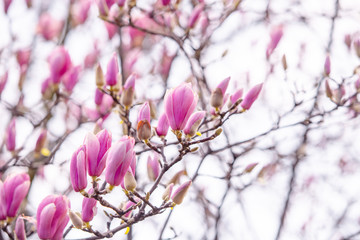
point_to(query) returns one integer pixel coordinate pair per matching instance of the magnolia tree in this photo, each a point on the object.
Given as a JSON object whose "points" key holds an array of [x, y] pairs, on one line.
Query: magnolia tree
{"points": [[179, 119]]}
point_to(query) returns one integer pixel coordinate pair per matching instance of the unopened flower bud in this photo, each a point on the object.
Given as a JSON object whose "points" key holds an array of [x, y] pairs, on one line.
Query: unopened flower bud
{"points": [[10, 135], [89, 209], [180, 192], [127, 95], [176, 178], [20, 233], [217, 96], [129, 181], [76, 219], [251, 96], [195, 15], [144, 127], [284, 62], [163, 126], [327, 66], [218, 132], [153, 113], [153, 166], [167, 193], [328, 90], [348, 41], [40, 143], [99, 76], [250, 167], [193, 123], [112, 71]]}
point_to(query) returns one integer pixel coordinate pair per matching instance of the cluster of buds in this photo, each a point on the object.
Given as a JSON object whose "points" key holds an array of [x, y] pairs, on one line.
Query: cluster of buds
{"points": [[219, 97]]}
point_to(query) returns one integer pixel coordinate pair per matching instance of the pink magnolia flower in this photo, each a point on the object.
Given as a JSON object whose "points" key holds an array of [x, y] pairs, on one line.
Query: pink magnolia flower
{"points": [[7, 5], [144, 127], [3, 81], [163, 126], [217, 96], [195, 15], [20, 229], [236, 96], [52, 217], [23, 58], [153, 166], [16, 188], [89, 208], [119, 159], [193, 123], [70, 78], [127, 95], [180, 192], [327, 66], [10, 135], [80, 11], [180, 102], [60, 62], [96, 151], [2, 202], [275, 37], [78, 169], [49, 27], [251, 96], [112, 71]]}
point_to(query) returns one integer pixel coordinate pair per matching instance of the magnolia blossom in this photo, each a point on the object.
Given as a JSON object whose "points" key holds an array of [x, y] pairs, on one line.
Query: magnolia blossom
{"points": [[119, 159], [112, 71], [163, 126], [78, 169], [59, 62], [49, 27], [96, 151], [251, 96], [80, 11], [275, 37], [16, 188], [89, 209], [180, 102], [52, 217]]}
